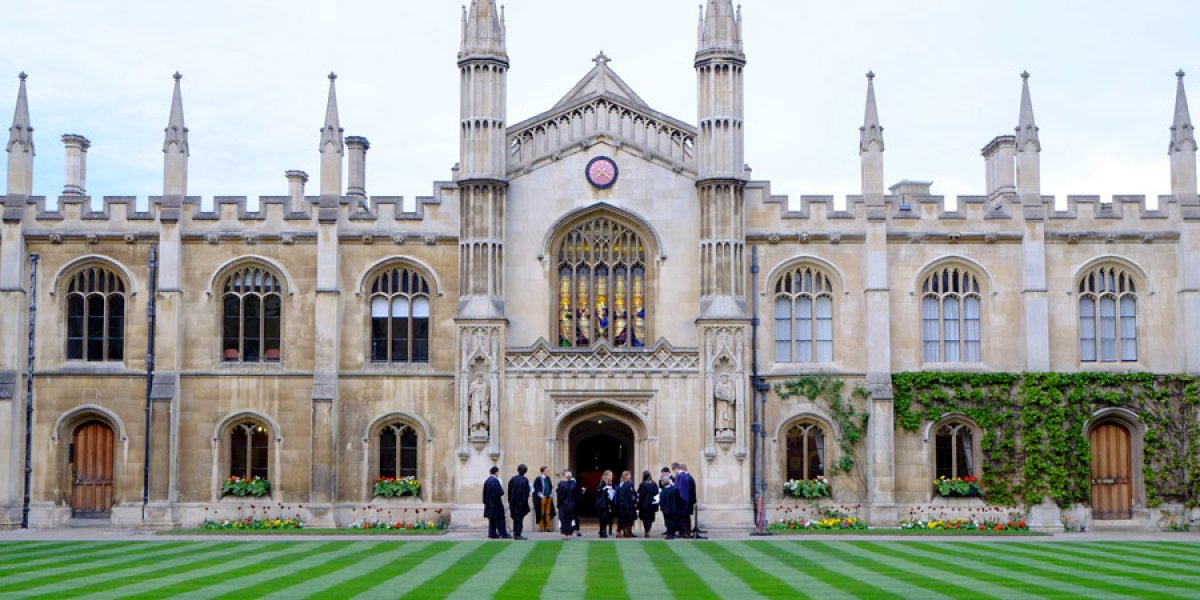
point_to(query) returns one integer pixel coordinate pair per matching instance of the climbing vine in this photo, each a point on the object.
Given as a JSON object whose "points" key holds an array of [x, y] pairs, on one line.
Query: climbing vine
{"points": [[850, 421], [1034, 443]]}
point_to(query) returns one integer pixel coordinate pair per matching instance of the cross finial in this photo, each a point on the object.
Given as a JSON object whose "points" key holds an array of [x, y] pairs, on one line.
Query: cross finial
{"points": [[177, 76], [870, 74], [1024, 74], [1180, 73], [332, 75], [23, 76], [601, 59]]}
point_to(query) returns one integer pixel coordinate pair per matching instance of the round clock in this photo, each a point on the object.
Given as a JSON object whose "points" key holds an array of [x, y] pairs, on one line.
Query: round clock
{"points": [[601, 172]]}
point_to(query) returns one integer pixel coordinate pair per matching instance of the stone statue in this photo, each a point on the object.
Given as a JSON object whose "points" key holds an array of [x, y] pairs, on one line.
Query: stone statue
{"points": [[725, 397], [479, 399]]}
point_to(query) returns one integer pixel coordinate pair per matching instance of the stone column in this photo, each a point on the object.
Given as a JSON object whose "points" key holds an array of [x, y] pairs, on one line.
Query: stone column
{"points": [[76, 165], [296, 181]]}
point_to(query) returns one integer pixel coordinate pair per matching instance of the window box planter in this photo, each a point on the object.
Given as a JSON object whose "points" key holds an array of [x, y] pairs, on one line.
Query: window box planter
{"points": [[807, 488], [392, 487], [254, 487], [958, 487]]}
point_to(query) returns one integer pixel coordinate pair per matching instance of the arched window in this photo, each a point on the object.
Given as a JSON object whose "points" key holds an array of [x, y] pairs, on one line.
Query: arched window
{"points": [[950, 312], [804, 316], [399, 316], [251, 305], [805, 451], [1107, 316], [601, 292], [248, 450], [397, 451], [95, 315], [954, 447]]}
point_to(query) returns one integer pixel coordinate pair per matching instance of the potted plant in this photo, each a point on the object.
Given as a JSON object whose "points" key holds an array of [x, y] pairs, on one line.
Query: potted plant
{"points": [[817, 487], [960, 487], [392, 487], [245, 486]]}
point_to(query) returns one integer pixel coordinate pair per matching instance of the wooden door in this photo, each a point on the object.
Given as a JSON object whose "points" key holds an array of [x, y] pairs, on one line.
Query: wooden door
{"points": [[1112, 488], [92, 469]]}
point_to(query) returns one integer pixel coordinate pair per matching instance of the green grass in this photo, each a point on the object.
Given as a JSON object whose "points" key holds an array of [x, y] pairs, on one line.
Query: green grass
{"points": [[910, 532], [761, 568], [330, 531]]}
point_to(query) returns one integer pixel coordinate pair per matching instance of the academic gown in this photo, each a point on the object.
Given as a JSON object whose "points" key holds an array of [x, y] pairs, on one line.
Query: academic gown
{"points": [[568, 497], [518, 497], [646, 506], [626, 502], [493, 499]]}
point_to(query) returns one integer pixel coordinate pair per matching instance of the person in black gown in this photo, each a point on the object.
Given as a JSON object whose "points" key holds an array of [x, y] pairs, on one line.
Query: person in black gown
{"points": [[627, 502], [518, 500], [493, 505], [671, 505], [569, 494], [646, 494], [605, 505]]}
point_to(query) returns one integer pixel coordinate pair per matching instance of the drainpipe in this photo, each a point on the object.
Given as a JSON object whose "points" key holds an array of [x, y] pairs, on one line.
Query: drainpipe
{"points": [[153, 264], [759, 387], [33, 263]]}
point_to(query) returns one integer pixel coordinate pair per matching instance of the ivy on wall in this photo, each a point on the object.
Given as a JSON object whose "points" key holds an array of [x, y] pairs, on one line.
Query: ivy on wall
{"points": [[1034, 443], [850, 421]]}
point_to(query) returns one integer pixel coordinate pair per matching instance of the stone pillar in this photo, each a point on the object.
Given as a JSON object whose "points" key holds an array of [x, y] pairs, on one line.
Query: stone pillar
{"points": [[296, 181], [326, 356], [13, 329], [76, 165], [357, 166]]}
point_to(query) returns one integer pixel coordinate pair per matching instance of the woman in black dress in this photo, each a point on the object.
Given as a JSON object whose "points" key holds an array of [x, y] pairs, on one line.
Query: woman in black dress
{"points": [[646, 493], [626, 506], [569, 494], [605, 503]]}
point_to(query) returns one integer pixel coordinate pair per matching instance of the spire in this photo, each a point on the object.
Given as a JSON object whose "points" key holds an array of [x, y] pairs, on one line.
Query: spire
{"points": [[331, 131], [21, 131], [483, 31], [1027, 130], [176, 132], [1182, 131], [721, 27], [871, 131]]}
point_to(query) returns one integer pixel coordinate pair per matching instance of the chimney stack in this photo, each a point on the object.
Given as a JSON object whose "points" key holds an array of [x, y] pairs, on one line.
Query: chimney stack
{"points": [[296, 181], [356, 176], [998, 157], [76, 164]]}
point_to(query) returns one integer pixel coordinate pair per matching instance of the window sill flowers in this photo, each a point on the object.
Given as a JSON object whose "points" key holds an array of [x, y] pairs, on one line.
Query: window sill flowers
{"points": [[391, 487], [243, 487], [958, 487], [807, 488]]}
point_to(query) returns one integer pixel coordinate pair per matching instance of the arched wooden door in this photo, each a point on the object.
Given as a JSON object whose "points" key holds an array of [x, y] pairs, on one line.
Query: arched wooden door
{"points": [[1112, 482], [92, 469]]}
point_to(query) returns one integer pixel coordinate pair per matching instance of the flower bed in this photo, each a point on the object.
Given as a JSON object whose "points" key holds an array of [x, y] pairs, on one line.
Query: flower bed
{"points": [[961, 487], [256, 487], [964, 525], [818, 518], [807, 488], [254, 524], [401, 526], [391, 487]]}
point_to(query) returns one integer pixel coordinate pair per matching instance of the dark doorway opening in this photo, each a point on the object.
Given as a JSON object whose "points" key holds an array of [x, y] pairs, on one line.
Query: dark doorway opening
{"points": [[599, 443]]}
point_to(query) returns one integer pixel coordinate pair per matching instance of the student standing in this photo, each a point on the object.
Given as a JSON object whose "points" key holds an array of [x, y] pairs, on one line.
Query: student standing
{"points": [[647, 492], [518, 500], [569, 495], [543, 499], [626, 506], [493, 505], [605, 494]]}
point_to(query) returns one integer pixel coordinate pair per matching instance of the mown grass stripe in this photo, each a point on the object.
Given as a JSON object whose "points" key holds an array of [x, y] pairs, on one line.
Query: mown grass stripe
{"points": [[567, 578], [1029, 580], [53, 552], [604, 578], [55, 560], [261, 556], [131, 575], [1177, 549], [488, 581], [683, 581], [1127, 559], [796, 576], [15, 552], [531, 576], [852, 569], [196, 568], [1096, 583], [458, 572], [762, 582], [1095, 568], [641, 578], [375, 584], [380, 554], [1118, 549], [975, 579], [894, 577], [791, 553], [252, 584], [301, 571], [31, 578]]}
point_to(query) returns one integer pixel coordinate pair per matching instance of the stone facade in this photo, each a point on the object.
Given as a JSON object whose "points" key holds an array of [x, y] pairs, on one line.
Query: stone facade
{"points": [[501, 382]]}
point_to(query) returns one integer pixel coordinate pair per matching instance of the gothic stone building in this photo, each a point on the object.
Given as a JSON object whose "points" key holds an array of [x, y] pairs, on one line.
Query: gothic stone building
{"points": [[580, 296]]}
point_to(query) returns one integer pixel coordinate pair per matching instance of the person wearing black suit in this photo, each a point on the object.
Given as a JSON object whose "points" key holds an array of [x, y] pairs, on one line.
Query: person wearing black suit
{"points": [[493, 506], [687, 497], [605, 505], [668, 502], [646, 493], [518, 500], [543, 500], [626, 502], [569, 494]]}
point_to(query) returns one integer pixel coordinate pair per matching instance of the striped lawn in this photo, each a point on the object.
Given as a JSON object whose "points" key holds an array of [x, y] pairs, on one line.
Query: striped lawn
{"points": [[806, 568]]}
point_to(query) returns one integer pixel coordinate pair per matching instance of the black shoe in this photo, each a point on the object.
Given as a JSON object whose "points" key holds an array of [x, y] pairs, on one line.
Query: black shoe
{"points": [[519, 537], [506, 537], [493, 537], [670, 537], [603, 535]]}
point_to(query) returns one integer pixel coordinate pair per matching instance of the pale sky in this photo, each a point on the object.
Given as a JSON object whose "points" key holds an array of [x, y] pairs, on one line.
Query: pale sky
{"points": [[254, 85]]}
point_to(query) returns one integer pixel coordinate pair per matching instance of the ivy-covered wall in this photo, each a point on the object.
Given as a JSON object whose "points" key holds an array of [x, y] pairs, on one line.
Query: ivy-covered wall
{"points": [[1034, 443]]}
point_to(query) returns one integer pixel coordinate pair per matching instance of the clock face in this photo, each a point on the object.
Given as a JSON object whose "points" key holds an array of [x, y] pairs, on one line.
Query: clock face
{"points": [[601, 172]]}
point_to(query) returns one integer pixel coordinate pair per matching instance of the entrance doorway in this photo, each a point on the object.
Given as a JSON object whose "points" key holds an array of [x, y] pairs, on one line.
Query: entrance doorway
{"points": [[598, 443], [1112, 487], [91, 457]]}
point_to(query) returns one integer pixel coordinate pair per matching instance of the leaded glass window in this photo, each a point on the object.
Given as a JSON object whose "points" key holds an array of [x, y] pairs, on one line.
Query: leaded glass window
{"points": [[95, 315], [251, 316], [399, 317], [1107, 316], [601, 291], [951, 304], [804, 316]]}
